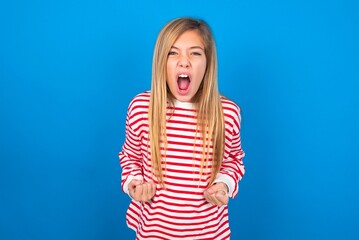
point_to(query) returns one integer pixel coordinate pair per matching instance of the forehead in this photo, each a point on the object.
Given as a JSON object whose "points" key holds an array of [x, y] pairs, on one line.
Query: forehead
{"points": [[189, 38]]}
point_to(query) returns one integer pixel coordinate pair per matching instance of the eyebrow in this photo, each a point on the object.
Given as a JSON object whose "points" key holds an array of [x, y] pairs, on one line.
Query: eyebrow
{"points": [[193, 47]]}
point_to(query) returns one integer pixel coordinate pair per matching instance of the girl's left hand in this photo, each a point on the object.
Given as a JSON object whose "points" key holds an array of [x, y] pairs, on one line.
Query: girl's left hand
{"points": [[217, 194]]}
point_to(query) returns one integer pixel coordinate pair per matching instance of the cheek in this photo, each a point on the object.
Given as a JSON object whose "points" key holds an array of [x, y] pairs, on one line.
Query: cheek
{"points": [[202, 70], [170, 70], [170, 77], [167, 69]]}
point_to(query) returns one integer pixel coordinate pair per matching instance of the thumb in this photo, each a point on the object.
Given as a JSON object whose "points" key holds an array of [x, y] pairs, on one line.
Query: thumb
{"points": [[212, 189], [219, 186], [134, 183]]}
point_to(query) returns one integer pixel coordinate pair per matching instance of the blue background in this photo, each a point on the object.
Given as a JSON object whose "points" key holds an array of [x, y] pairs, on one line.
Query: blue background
{"points": [[68, 70]]}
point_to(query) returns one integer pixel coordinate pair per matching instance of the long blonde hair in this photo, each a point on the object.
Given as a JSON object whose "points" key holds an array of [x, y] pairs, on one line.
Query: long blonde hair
{"points": [[207, 100]]}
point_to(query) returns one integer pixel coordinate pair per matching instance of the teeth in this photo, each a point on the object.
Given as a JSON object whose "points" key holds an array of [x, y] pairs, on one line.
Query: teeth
{"points": [[183, 75]]}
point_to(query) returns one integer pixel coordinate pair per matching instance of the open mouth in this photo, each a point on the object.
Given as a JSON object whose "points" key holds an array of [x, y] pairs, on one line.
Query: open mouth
{"points": [[183, 82]]}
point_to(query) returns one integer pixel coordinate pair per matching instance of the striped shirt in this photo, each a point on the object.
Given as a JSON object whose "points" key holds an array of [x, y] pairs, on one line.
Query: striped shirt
{"points": [[179, 211]]}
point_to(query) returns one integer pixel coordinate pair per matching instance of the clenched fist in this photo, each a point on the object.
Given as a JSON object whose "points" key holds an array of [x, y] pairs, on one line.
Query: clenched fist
{"points": [[217, 194], [141, 191]]}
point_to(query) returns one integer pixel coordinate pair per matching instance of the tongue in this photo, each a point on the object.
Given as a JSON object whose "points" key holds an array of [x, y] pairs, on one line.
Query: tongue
{"points": [[183, 83]]}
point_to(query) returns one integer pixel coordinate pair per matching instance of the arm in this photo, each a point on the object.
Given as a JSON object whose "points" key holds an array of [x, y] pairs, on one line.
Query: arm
{"points": [[130, 157], [232, 168], [131, 162]]}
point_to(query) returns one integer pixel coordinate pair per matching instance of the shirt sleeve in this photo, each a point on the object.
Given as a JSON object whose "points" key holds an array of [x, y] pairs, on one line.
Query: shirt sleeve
{"points": [[232, 168], [130, 156]]}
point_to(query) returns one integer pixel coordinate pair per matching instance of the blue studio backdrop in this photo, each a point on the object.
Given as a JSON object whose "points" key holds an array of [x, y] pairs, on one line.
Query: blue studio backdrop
{"points": [[68, 70]]}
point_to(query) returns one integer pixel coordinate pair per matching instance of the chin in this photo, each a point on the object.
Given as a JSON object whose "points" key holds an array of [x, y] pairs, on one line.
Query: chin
{"points": [[182, 98]]}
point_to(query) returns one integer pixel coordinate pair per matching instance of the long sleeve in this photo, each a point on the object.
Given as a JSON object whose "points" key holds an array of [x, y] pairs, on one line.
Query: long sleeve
{"points": [[131, 160], [232, 168]]}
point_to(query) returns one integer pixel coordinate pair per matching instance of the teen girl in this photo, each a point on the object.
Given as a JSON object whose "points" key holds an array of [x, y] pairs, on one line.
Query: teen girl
{"points": [[182, 157]]}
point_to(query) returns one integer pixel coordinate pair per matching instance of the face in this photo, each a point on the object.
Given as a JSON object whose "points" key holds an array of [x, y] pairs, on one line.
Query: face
{"points": [[186, 66]]}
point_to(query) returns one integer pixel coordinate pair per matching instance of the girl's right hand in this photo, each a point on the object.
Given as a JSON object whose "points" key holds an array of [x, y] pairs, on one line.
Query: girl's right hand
{"points": [[140, 191]]}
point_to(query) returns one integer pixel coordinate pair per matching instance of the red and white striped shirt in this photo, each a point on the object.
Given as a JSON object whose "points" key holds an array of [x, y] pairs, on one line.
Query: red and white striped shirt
{"points": [[179, 211]]}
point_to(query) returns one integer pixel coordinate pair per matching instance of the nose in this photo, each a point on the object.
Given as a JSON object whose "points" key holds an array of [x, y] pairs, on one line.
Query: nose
{"points": [[184, 61]]}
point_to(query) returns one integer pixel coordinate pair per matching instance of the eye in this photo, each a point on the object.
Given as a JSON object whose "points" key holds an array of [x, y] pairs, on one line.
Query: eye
{"points": [[196, 53], [172, 53]]}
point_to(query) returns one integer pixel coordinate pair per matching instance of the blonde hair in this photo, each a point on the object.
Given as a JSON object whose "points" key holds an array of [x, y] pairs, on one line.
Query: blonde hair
{"points": [[207, 100]]}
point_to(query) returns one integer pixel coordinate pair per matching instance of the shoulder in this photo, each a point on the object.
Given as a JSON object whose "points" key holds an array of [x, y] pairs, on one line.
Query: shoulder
{"points": [[230, 107], [139, 103], [232, 114], [142, 99]]}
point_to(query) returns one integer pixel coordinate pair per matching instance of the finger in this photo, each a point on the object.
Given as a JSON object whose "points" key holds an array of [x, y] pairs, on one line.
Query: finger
{"points": [[222, 197], [132, 187], [210, 198], [205, 194], [219, 186], [138, 192], [215, 200], [146, 191], [131, 192], [210, 190], [133, 183], [152, 189], [218, 198]]}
